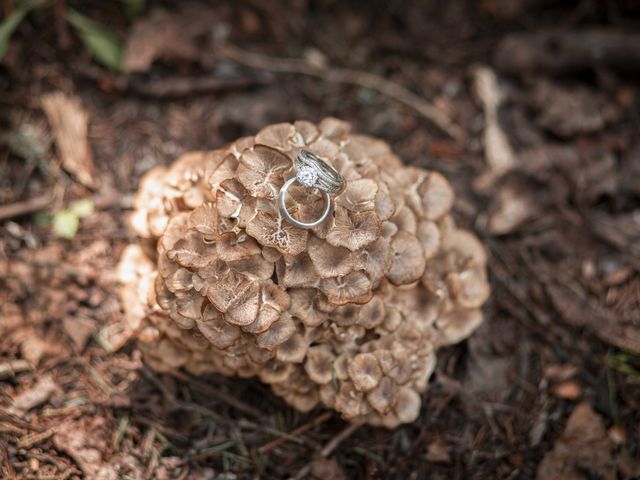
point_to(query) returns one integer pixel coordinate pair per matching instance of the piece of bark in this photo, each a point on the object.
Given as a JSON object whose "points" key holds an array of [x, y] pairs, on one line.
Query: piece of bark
{"points": [[70, 124], [568, 51]]}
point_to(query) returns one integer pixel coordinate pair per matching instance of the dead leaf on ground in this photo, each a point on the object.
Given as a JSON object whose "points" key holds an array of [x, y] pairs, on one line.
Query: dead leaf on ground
{"points": [[622, 231], [84, 441], [33, 347], [578, 310], [167, 36], [583, 450], [34, 395], [511, 206], [437, 452], [79, 330], [568, 111], [569, 390], [324, 468], [70, 124]]}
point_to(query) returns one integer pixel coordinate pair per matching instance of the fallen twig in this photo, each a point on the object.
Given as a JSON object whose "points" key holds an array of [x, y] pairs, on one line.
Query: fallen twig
{"points": [[11, 367], [219, 395], [32, 205], [568, 51], [267, 447], [349, 76], [173, 87], [329, 448], [6, 462]]}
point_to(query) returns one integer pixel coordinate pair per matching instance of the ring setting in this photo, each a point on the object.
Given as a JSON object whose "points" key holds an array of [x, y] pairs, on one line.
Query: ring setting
{"points": [[312, 172]]}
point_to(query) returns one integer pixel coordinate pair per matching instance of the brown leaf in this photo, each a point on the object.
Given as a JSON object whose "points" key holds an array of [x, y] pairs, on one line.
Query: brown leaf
{"points": [[571, 111], [33, 348], [70, 123], [84, 441], [437, 452], [568, 390], [583, 450], [511, 206], [79, 330], [578, 309], [322, 468], [166, 35]]}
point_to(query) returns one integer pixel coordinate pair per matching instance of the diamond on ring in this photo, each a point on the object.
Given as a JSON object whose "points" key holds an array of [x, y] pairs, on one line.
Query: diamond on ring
{"points": [[307, 177]]}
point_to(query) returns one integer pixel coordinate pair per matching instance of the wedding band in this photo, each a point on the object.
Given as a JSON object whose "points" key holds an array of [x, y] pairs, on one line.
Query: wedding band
{"points": [[312, 172]]}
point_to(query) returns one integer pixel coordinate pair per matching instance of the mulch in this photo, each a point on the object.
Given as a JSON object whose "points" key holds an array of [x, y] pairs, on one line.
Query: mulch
{"points": [[547, 388]]}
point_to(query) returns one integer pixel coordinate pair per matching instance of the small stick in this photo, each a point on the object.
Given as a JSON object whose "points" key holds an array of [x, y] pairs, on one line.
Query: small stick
{"points": [[24, 208], [12, 367], [267, 447], [230, 400], [6, 461], [353, 77], [329, 448]]}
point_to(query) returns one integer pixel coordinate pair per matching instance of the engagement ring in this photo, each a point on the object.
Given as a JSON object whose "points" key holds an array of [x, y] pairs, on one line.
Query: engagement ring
{"points": [[312, 172]]}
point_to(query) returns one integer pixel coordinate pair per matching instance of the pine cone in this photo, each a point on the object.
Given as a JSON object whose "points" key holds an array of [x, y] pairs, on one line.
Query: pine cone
{"points": [[349, 313]]}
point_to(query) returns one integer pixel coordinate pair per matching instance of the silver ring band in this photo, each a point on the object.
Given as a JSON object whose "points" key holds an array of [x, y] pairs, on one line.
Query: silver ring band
{"points": [[298, 223]]}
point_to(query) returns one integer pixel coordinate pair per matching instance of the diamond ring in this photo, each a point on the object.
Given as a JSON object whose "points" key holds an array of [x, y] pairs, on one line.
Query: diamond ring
{"points": [[312, 172]]}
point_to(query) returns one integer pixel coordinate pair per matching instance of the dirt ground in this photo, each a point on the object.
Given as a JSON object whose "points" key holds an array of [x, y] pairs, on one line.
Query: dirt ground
{"points": [[531, 108]]}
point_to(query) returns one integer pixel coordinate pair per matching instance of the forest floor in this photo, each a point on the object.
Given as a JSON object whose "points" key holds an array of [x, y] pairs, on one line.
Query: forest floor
{"points": [[543, 151]]}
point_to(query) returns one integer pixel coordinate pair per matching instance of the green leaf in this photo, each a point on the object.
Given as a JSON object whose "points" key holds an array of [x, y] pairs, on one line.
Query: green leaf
{"points": [[133, 8], [104, 46], [42, 219], [65, 223], [82, 208], [9, 25]]}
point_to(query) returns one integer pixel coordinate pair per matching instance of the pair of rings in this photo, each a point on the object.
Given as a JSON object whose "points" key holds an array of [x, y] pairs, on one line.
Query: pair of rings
{"points": [[312, 172]]}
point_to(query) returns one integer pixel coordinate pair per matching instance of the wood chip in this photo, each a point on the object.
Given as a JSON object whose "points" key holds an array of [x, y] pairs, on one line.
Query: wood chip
{"points": [[70, 124], [567, 390], [12, 367], [498, 152], [34, 396]]}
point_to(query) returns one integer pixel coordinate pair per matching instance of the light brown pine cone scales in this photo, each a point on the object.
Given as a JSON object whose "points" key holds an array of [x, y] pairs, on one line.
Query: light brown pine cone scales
{"points": [[349, 314]]}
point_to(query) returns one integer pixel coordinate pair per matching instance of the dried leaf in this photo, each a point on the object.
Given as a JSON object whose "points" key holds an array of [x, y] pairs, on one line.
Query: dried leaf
{"points": [[84, 441], [437, 452], [70, 123], [577, 309], [165, 35], [511, 206], [33, 348], [79, 330], [570, 111], [583, 450], [322, 468]]}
